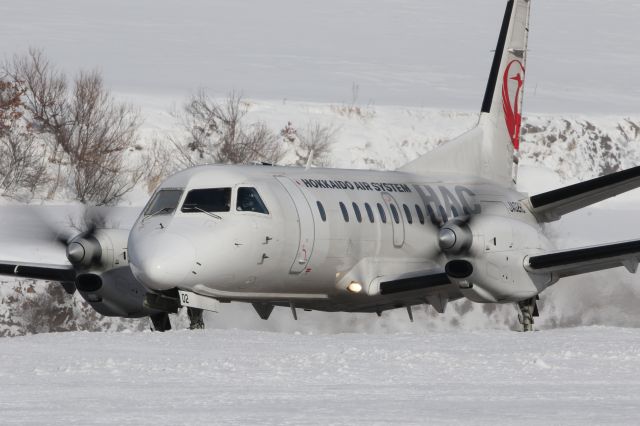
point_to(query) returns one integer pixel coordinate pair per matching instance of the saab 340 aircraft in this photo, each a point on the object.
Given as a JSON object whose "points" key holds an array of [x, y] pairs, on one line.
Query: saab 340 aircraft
{"points": [[448, 225]]}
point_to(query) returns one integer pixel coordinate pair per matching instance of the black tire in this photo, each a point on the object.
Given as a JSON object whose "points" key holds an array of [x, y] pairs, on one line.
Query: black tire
{"points": [[161, 322]]}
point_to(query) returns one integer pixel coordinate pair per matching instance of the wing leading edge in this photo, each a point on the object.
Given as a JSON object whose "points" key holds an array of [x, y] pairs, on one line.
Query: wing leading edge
{"points": [[566, 263], [38, 271], [421, 282]]}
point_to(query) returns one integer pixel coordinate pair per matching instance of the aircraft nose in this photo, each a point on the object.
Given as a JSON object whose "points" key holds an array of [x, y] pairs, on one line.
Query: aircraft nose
{"points": [[161, 261]]}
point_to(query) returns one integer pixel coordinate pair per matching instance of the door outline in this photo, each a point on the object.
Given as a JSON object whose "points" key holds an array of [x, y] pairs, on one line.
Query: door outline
{"points": [[306, 225], [397, 229]]}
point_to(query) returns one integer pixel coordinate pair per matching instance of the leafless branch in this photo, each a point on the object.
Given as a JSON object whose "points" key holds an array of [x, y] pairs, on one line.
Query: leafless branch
{"points": [[217, 132]]}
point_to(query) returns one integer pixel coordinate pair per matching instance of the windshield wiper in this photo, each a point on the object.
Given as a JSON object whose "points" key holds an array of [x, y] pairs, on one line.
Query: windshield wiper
{"points": [[194, 207], [165, 209]]}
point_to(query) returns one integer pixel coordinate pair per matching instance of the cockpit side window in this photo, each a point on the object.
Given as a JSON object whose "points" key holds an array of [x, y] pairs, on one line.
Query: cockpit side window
{"points": [[164, 202], [249, 201], [207, 200]]}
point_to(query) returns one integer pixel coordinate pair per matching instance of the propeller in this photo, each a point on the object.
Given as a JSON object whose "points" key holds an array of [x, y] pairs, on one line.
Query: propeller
{"points": [[455, 236], [84, 249], [455, 239], [77, 237]]}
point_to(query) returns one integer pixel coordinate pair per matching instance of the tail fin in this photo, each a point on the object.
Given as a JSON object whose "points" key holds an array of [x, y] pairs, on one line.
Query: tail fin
{"points": [[490, 150]]}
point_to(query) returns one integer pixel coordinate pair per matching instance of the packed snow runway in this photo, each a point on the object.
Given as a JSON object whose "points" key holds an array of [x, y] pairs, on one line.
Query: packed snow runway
{"points": [[564, 376]]}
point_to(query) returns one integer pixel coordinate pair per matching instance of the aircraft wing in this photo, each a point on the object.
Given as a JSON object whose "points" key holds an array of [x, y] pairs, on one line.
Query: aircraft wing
{"points": [[588, 259], [550, 206], [421, 281], [38, 271]]}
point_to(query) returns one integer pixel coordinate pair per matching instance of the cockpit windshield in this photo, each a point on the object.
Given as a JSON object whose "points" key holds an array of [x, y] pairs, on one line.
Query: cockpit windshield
{"points": [[207, 200], [249, 201], [164, 202]]}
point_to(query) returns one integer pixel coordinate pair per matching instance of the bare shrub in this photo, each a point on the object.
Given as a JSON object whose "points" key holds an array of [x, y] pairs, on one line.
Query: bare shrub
{"points": [[159, 163], [217, 132], [98, 136], [22, 163], [314, 141], [353, 108], [38, 307], [45, 91], [289, 133], [90, 132]]}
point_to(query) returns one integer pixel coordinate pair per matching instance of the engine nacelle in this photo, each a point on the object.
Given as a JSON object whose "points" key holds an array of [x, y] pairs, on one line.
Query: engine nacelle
{"points": [[105, 280], [103, 249], [493, 270], [114, 293]]}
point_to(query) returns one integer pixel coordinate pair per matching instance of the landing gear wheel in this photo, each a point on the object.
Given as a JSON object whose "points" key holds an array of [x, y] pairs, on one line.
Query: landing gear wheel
{"points": [[528, 309], [160, 322], [196, 322]]}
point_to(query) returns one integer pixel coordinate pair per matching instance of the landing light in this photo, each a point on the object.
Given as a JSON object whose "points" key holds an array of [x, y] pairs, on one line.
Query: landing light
{"points": [[354, 287]]}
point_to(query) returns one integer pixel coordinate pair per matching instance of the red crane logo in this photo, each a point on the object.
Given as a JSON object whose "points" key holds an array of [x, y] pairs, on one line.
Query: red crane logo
{"points": [[513, 82]]}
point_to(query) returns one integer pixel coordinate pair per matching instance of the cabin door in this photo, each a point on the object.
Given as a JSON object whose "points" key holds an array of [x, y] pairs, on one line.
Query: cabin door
{"points": [[306, 226], [395, 217]]}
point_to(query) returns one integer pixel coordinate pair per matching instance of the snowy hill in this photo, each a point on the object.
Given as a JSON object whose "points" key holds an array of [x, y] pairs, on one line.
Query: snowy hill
{"points": [[556, 150], [386, 137]]}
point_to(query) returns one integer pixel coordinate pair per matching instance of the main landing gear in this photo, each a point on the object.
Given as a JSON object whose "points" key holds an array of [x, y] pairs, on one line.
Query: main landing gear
{"points": [[196, 322], [528, 310]]}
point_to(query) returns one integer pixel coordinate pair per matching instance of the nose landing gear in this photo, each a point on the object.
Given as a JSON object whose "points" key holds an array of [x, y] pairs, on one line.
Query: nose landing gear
{"points": [[169, 302], [528, 310], [161, 321]]}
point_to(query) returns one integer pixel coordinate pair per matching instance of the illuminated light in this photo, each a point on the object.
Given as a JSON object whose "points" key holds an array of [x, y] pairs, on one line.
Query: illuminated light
{"points": [[354, 287]]}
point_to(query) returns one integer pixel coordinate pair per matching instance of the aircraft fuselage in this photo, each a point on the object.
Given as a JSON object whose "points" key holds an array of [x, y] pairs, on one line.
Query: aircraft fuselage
{"points": [[325, 229]]}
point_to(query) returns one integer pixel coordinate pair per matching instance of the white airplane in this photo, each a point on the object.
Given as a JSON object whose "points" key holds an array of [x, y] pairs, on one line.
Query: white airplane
{"points": [[448, 225]]}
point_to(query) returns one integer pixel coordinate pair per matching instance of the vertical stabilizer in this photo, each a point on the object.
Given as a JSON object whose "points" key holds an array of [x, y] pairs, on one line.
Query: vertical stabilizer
{"points": [[501, 115], [490, 150]]}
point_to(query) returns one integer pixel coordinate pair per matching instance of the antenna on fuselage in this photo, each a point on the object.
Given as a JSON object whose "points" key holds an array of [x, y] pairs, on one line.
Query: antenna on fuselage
{"points": [[309, 160]]}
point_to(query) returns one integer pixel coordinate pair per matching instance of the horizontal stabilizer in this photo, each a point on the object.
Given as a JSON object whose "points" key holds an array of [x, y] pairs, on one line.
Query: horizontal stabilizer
{"points": [[565, 263], [550, 206], [37, 271]]}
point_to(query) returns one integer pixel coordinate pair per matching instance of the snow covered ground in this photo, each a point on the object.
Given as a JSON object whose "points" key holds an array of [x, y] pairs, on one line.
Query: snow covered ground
{"points": [[569, 377]]}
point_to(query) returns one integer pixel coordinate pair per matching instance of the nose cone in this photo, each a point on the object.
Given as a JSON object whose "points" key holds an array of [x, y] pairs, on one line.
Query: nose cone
{"points": [[161, 260]]}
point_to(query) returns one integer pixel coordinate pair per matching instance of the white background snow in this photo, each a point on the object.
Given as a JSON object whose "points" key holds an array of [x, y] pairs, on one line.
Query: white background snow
{"points": [[421, 68], [408, 52]]}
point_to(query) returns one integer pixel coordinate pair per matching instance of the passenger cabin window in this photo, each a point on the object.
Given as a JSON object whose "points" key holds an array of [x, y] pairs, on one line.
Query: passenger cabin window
{"points": [[407, 213], [367, 207], [345, 213], [394, 212], [432, 215], [164, 202], [323, 214], [443, 214], [207, 200], [356, 210], [249, 201], [383, 215], [420, 215]]}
